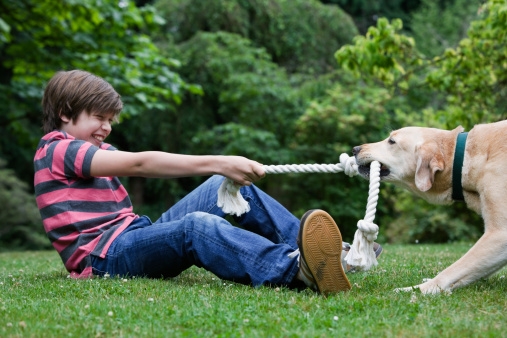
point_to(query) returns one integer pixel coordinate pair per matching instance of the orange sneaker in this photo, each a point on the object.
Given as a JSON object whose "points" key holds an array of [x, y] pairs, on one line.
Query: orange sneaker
{"points": [[320, 249]]}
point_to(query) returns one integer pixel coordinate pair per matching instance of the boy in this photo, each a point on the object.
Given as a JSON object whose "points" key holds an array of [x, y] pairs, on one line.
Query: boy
{"points": [[88, 216]]}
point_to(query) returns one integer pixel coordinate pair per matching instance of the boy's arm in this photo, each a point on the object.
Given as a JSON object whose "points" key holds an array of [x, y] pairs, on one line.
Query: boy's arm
{"points": [[167, 165]]}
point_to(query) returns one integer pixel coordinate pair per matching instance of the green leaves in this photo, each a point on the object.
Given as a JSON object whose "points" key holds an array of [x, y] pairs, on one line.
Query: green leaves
{"points": [[474, 73], [382, 54], [20, 226], [471, 76], [232, 139], [4, 32], [109, 38], [248, 107], [105, 38], [299, 35]]}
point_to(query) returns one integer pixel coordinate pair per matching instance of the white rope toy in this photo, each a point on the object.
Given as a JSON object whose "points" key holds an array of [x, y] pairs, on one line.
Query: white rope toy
{"points": [[361, 254]]}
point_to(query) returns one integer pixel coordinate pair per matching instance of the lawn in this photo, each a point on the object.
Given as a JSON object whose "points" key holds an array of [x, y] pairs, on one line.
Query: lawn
{"points": [[37, 299]]}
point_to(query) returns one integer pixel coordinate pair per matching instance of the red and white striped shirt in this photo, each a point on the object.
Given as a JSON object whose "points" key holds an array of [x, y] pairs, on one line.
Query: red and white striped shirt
{"points": [[81, 214]]}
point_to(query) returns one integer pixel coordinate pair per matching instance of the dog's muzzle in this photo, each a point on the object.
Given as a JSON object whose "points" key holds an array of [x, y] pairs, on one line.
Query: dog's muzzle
{"points": [[364, 170], [364, 167]]}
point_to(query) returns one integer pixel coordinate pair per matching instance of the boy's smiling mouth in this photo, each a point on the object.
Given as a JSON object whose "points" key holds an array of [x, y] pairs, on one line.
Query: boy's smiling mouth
{"points": [[99, 138]]}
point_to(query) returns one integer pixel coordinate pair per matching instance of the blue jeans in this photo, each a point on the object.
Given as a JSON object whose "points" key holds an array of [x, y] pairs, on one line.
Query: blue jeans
{"points": [[194, 232]]}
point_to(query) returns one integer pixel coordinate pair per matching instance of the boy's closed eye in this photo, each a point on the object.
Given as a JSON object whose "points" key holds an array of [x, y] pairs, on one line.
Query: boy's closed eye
{"points": [[111, 118]]}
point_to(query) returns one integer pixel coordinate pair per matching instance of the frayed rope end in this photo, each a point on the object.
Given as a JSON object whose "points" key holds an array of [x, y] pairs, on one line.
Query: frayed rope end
{"points": [[361, 254], [230, 199]]}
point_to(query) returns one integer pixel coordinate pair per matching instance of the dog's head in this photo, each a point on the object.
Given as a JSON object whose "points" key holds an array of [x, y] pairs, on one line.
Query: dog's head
{"points": [[410, 157]]}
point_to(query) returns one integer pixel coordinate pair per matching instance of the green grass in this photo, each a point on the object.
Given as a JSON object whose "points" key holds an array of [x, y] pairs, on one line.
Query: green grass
{"points": [[38, 300]]}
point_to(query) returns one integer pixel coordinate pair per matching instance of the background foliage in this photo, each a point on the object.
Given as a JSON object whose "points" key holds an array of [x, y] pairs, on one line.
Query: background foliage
{"points": [[278, 81]]}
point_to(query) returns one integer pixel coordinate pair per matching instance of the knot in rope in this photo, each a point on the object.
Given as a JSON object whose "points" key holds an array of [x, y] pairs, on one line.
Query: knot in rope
{"points": [[349, 165], [369, 229]]}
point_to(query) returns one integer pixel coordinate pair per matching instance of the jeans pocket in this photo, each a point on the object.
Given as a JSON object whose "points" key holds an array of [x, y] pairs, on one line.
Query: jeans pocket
{"points": [[99, 266]]}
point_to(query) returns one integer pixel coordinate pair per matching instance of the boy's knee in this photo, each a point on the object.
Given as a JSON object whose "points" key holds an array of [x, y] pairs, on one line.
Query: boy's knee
{"points": [[200, 218]]}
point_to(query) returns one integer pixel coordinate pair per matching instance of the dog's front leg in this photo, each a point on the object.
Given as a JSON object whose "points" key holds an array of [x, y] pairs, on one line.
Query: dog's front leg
{"points": [[487, 256]]}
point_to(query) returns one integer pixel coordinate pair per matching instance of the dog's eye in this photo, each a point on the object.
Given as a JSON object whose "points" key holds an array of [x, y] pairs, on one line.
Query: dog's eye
{"points": [[391, 141]]}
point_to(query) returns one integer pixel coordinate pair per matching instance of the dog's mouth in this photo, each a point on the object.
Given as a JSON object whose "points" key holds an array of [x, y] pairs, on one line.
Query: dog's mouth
{"points": [[364, 170]]}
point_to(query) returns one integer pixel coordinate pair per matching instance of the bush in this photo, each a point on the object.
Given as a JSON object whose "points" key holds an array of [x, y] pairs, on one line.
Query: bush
{"points": [[21, 227], [300, 35]]}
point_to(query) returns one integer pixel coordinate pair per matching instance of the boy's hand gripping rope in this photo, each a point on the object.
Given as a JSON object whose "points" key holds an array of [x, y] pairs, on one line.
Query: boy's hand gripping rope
{"points": [[361, 254]]}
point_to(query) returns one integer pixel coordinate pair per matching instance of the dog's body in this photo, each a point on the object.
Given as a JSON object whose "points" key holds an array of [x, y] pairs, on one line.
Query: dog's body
{"points": [[421, 160]]}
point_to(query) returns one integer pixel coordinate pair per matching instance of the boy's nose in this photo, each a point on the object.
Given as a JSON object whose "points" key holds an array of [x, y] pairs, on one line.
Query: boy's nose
{"points": [[106, 126]]}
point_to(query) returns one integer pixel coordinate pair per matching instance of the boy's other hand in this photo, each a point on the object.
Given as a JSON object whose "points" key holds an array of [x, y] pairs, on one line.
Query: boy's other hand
{"points": [[241, 170]]}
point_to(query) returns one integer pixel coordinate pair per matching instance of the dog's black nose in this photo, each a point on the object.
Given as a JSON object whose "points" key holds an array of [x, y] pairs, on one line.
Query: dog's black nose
{"points": [[356, 150]]}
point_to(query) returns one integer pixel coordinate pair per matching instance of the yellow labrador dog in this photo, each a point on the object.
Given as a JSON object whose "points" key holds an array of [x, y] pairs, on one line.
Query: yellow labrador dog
{"points": [[446, 165]]}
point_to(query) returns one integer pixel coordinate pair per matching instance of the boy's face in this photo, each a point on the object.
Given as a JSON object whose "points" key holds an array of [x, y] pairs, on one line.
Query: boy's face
{"points": [[91, 127]]}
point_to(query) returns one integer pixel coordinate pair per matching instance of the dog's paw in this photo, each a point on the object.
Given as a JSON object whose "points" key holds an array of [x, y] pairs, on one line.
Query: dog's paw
{"points": [[427, 288], [413, 288], [432, 288]]}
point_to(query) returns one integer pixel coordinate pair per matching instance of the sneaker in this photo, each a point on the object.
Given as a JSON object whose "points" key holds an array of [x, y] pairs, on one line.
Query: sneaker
{"points": [[377, 249], [320, 248]]}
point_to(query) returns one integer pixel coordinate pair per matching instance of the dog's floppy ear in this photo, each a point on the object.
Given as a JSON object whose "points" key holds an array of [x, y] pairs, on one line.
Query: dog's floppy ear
{"points": [[429, 160]]}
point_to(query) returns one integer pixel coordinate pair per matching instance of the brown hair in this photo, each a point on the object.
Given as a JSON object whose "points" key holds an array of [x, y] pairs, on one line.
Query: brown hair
{"points": [[69, 93]]}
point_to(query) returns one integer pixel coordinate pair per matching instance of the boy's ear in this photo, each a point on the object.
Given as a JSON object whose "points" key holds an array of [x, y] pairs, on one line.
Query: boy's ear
{"points": [[64, 118]]}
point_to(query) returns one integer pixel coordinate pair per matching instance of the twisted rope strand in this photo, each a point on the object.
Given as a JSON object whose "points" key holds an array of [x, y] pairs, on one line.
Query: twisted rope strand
{"points": [[371, 206], [347, 164], [302, 168]]}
